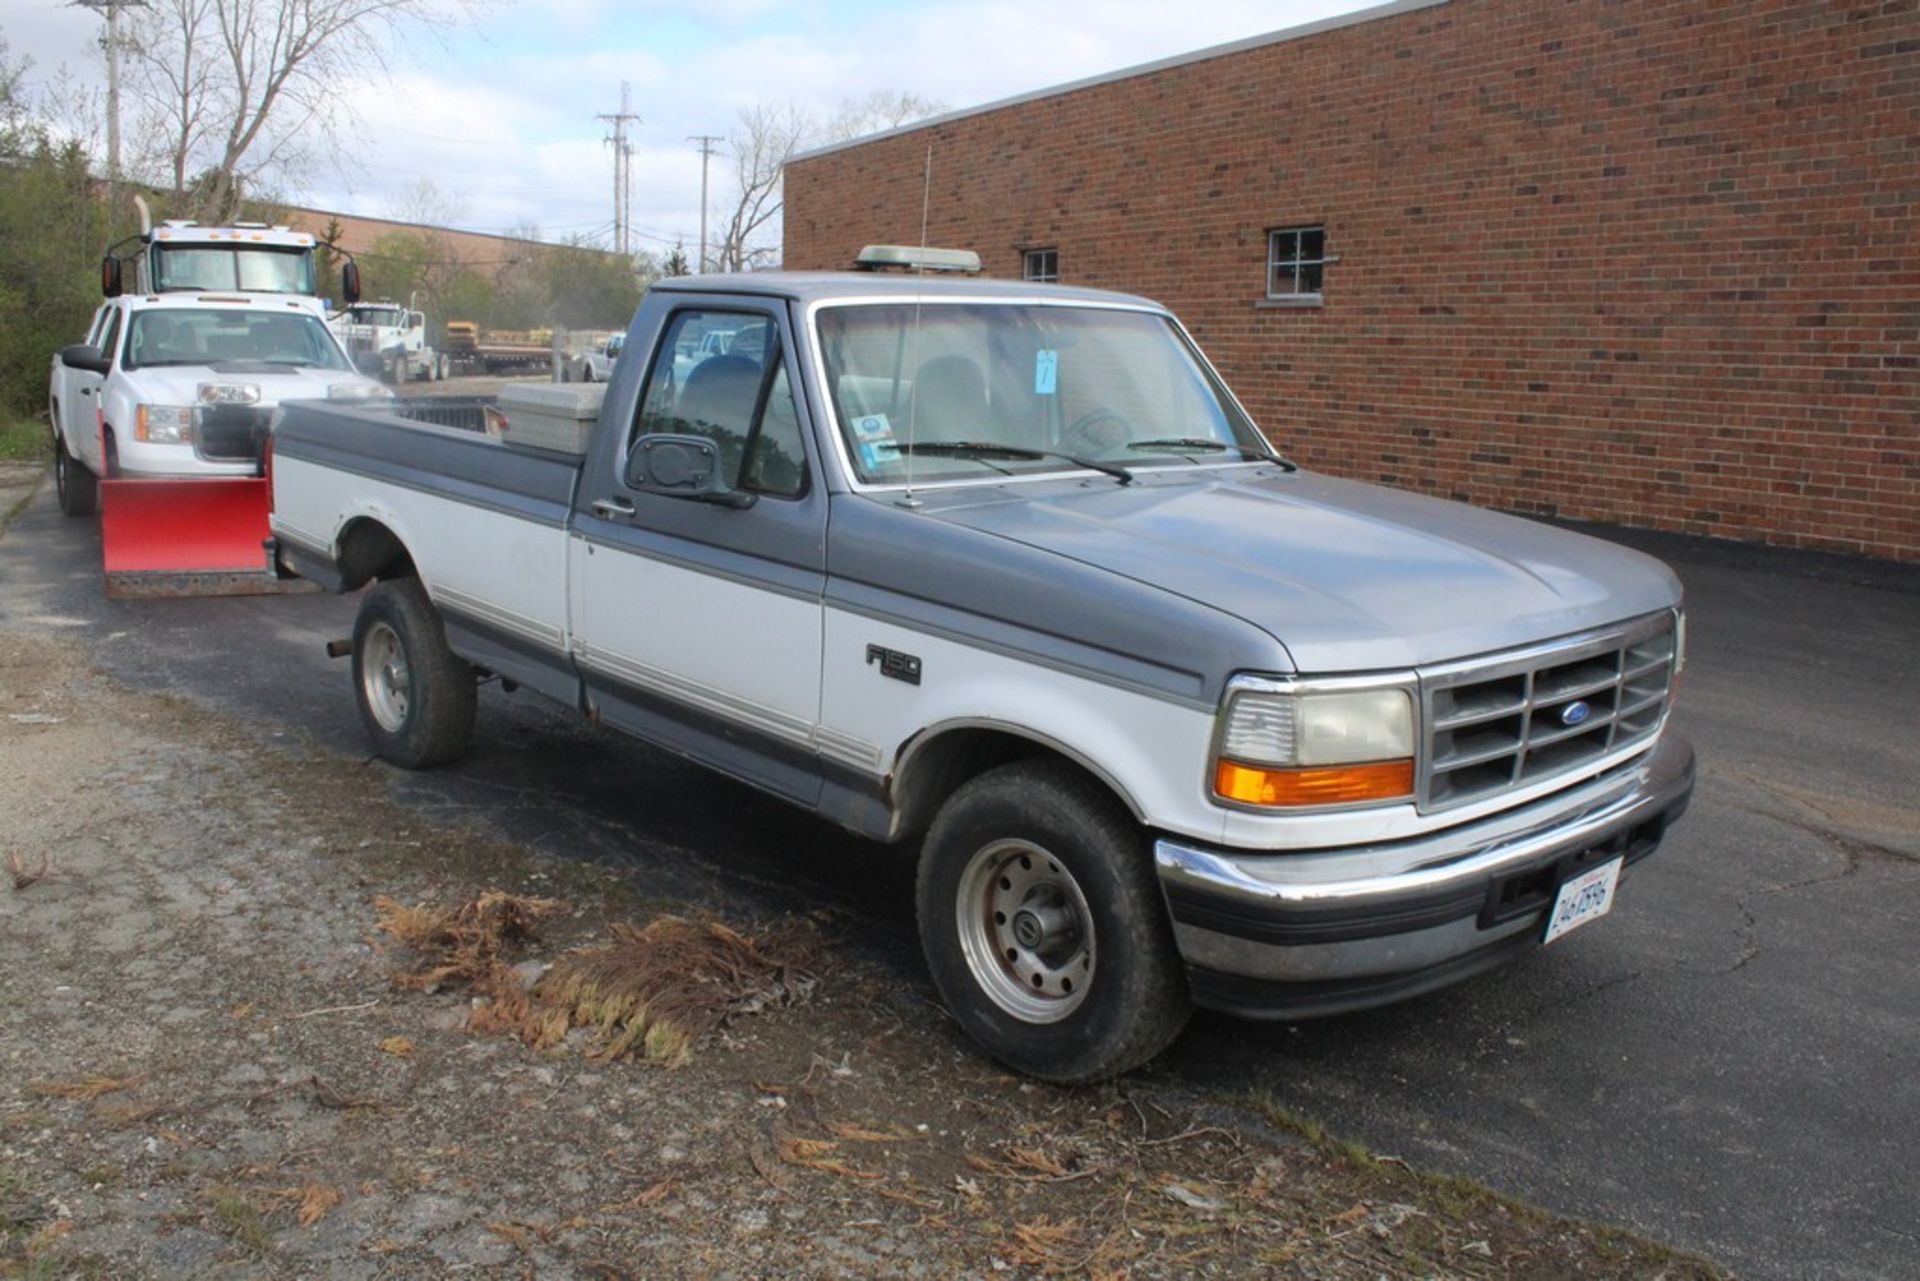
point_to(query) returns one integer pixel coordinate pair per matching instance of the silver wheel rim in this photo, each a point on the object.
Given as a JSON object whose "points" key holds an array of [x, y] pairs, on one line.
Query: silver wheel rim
{"points": [[385, 677], [1025, 931]]}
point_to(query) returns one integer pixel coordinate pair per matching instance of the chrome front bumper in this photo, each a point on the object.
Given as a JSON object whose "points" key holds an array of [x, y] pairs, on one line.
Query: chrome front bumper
{"points": [[1284, 935]]}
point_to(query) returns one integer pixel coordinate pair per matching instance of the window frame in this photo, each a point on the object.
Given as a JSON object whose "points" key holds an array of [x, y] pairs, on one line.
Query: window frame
{"points": [[772, 366], [1293, 263], [1027, 257]]}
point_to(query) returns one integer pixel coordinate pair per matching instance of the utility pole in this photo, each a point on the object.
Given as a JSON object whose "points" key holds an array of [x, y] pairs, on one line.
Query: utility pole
{"points": [[111, 43], [622, 167], [706, 141]]}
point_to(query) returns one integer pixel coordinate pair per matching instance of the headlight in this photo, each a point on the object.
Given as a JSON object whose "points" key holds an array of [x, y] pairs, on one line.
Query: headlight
{"points": [[163, 424], [359, 391], [1331, 747]]}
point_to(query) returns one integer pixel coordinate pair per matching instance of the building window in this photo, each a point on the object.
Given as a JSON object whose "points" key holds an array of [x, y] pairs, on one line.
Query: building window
{"points": [[1040, 264], [1296, 257]]}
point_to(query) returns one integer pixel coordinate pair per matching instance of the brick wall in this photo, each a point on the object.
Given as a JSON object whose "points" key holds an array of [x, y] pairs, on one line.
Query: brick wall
{"points": [[1645, 261]]}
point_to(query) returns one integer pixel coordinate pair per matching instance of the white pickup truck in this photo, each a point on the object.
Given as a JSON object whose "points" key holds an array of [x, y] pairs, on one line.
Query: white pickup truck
{"points": [[182, 385], [1005, 574]]}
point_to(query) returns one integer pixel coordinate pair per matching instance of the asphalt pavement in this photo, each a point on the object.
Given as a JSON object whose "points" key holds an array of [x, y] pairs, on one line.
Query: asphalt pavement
{"points": [[1726, 1063]]}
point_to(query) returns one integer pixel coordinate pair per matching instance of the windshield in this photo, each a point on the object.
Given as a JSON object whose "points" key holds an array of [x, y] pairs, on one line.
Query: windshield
{"points": [[387, 317], [1023, 387], [208, 336], [256, 269]]}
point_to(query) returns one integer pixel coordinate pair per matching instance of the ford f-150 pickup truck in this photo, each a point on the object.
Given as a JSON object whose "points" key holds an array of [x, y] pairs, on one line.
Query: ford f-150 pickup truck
{"points": [[1005, 574]]}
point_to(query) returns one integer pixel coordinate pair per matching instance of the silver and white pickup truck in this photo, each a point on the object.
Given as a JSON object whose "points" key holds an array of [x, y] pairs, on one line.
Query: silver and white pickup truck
{"points": [[1003, 573]]}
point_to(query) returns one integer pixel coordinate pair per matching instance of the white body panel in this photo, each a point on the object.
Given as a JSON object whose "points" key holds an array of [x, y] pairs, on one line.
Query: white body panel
{"points": [[1152, 750], [506, 570], [739, 651]]}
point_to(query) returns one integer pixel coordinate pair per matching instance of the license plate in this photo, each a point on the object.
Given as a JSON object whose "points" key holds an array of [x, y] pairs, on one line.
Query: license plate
{"points": [[1587, 897]]}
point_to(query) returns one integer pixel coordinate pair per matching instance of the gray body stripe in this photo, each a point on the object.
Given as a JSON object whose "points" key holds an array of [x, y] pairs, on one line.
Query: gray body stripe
{"points": [[792, 729], [1005, 640], [717, 562], [506, 620]]}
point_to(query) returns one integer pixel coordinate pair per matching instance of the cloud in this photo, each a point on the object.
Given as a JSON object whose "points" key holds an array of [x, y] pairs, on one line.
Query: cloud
{"points": [[499, 115]]}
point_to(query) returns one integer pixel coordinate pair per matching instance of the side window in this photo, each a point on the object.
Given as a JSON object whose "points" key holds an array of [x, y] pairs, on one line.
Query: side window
{"points": [[111, 338], [100, 318], [720, 375]]}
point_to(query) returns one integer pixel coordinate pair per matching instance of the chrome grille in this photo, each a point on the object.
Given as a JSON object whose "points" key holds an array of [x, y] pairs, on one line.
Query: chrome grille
{"points": [[1497, 723]]}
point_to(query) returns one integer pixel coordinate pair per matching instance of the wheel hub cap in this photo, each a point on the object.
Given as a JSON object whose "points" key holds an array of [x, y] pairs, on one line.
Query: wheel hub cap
{"points": [[1025, 931]]}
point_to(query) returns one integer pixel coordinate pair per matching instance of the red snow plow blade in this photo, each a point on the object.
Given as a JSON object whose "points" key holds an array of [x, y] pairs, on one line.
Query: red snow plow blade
{"points": [[187, 538]]}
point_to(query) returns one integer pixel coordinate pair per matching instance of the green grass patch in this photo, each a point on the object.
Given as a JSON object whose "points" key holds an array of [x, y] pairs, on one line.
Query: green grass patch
{"points": [[23, 440]]}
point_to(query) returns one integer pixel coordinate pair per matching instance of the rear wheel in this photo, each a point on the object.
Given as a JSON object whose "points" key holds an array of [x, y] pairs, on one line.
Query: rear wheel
{"points": [[416, 695], [1044, 926], [78, 488]]}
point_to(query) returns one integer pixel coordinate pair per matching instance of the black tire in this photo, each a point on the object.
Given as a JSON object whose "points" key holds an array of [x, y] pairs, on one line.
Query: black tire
{"points": [[1082, 852], [416, 696], [78, 488]]}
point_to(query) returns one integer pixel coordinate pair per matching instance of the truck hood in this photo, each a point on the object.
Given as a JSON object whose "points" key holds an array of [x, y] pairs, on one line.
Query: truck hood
{"points": [[1348, 577], [180, 384]]}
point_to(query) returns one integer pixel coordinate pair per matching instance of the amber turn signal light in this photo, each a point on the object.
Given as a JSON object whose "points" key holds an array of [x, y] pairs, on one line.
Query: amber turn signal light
{"points": [[1313, 785]]}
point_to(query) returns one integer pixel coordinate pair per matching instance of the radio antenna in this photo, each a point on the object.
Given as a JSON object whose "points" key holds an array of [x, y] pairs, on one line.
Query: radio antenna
{"points": [[913, 348]]}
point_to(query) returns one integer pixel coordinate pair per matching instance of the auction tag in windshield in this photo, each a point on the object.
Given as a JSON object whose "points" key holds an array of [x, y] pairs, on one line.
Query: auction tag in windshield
{"points": [[1587, 897], [1046, 372]]}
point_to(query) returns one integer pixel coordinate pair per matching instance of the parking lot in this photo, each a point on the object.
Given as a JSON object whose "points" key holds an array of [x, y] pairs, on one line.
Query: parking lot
{"points": [[1725, 1064]]}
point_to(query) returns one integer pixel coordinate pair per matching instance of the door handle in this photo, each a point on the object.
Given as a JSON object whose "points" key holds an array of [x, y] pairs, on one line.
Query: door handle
{"points": [[612, 508]]}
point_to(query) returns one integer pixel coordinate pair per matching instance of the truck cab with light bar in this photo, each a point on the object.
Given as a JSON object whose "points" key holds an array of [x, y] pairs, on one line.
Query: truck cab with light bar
{"points": [[1004, 574]]}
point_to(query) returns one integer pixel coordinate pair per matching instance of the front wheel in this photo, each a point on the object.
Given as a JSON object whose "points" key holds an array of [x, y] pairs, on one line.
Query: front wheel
{"points": [[416, 695], [1044, 927], [78, 488]]}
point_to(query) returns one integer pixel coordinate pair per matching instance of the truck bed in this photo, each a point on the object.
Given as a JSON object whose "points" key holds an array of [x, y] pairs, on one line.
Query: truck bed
{"points": [[498, 512]]}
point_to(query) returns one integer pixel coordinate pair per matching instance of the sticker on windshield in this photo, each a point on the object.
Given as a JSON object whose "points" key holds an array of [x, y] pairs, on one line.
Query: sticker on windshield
{"points": [[1046, 371], [875, 452], [873, 427]]}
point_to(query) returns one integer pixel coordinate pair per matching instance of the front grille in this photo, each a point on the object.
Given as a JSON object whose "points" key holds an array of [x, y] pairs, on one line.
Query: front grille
{"points": [[1498, 723], [230, 433]]}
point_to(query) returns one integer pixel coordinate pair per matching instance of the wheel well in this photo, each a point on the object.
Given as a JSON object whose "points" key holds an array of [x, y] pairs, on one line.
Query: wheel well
{"points": [[369, 550], [934, 767]]}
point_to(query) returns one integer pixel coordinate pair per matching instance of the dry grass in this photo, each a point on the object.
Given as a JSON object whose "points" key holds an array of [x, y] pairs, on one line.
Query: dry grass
{"points": [[86, 1088], [650, 992], [655, 991]]}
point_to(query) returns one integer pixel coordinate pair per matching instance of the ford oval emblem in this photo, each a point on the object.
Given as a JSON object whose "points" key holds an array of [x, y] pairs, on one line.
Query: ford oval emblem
{"points": [[1576, 712]]}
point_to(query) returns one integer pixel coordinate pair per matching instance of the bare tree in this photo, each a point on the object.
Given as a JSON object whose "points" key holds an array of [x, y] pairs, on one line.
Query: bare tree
{"points": [[766, 139], [879, 111], [233, 88]]}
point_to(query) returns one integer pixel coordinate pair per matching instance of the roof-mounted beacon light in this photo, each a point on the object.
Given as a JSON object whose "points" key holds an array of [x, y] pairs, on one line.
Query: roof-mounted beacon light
{"points": [[917, 258]]}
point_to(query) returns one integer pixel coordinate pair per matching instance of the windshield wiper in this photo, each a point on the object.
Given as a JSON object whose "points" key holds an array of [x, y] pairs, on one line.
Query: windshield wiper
{"points": [[985, 449], [1209, 445]]}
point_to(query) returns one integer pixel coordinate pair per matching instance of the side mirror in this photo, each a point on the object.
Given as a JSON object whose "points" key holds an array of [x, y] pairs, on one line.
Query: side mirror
{"points": [[110, 282], [83, 356], [350, 282], [682, 467]]}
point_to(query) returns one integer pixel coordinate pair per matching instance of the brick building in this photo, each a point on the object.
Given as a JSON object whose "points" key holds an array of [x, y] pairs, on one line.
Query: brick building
{"points": [[358, 234], [1643, 261]]}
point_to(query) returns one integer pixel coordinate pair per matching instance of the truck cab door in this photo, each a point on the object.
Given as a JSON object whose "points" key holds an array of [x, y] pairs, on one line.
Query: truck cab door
{"points": [[697, 623], [67, 384], [81, 409]]}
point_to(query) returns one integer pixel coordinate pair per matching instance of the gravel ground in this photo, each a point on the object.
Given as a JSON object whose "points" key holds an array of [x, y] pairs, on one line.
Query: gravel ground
{"points": [[210, 1072]]}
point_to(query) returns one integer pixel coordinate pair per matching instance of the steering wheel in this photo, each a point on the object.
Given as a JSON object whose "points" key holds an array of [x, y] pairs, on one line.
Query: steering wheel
{"points": [[1095, 431]]}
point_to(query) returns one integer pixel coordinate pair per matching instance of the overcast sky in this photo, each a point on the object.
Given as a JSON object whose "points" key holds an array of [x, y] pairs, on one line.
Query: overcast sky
{"points": [[499, 113]]}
